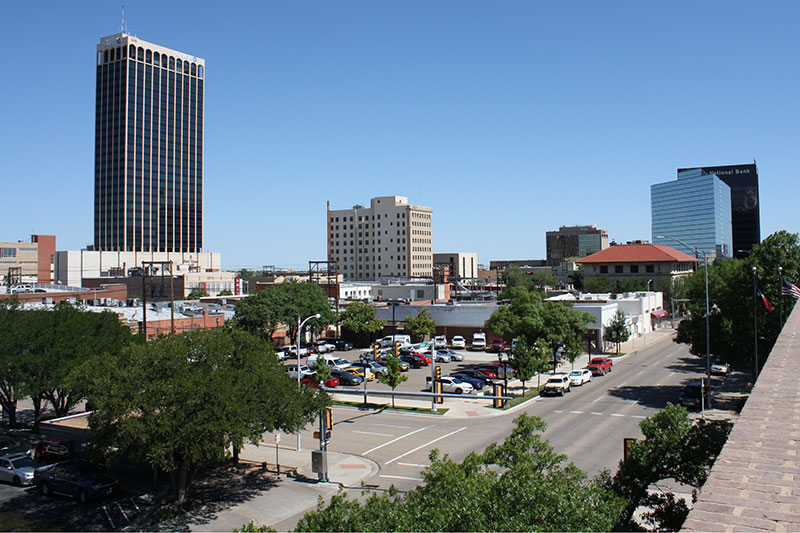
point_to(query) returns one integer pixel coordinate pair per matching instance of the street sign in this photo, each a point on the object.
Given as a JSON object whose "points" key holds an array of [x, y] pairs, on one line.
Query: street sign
{"points": [[277, 438]]}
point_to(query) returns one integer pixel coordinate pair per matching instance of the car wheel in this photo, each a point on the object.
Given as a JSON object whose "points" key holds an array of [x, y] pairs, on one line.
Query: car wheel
{"points": [[46, 489], [17, 481], [83, 496], [459, 391]]}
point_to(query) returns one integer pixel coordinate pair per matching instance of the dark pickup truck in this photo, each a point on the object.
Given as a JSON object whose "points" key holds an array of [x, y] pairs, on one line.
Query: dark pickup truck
{"points": [[600, 366], [80, 479]]}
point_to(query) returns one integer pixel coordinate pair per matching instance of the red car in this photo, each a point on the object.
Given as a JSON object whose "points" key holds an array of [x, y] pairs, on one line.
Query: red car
{"points": [[425, 357], [497, 346], [600, 365], [490, 371], [330, 382], [51, 451]]}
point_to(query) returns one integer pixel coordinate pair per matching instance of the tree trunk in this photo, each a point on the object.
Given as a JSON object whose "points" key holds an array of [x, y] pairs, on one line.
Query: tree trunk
{"points": [[37, 412], [180, 490], [11, 410]]}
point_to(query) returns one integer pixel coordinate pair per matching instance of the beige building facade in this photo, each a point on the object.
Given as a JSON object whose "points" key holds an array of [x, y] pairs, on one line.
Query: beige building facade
{"points": [[388, 239], [462, 265]]}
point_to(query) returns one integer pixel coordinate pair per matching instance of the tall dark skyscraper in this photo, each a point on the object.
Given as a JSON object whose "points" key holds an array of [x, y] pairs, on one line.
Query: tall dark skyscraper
{"points": [[745, 211], [148, 183]]}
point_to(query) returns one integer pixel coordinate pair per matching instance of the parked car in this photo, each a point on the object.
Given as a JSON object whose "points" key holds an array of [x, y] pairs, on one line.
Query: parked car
{"points": [[364, 373], [442, 357], [718, 368], [557, 384], [451, 385], [51, 451], [22, 289], [476, 383], [415, 360], [376, 368], [490, 371], [691, 395], [454, 355], [291, 369], [343, 346], [479, 342], [80, 479], [500, 370], [497, 346], [347, 379], [440, 341], [476, 374], [10, 445], [599, 366], [459, 342], [426, 357], [579, 377], [308, 381], [324, 346], [331, 360], [404, 366], [17, 469], [390, 340]]}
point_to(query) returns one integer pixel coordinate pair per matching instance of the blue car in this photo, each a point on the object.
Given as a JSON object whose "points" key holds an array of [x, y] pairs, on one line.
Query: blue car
{"points": [[477, 384]]}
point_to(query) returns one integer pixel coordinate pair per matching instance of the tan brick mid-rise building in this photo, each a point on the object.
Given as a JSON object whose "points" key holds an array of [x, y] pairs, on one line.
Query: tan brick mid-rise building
{"points": [[35, 259], [390, 238]]}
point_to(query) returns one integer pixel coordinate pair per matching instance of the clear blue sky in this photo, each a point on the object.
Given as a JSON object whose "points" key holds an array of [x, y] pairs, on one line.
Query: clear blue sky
{"points": [[508, 118]]}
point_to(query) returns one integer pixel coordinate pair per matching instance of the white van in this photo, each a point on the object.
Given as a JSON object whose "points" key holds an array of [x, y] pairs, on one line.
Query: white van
{"points": [[479, 341], [331, 360], [389, 340]]}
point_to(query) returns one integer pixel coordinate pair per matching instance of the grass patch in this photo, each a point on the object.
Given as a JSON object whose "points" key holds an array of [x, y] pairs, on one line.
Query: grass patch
{"points": [[530, 393], [388, 407]]}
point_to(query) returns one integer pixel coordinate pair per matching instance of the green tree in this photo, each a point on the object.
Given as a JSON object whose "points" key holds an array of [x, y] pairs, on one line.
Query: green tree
{"points": [[514, 276], [512, 486], [196, 294], [598, 284], [394, 376], [262, 313], [631, 285], [360, 323], [617, 330], [12, 372], [523, 361], [225, 293], [245, 273], [672, 447], [179, 402], [322, 372], [421, 325], [577, 278], [544, 278]]}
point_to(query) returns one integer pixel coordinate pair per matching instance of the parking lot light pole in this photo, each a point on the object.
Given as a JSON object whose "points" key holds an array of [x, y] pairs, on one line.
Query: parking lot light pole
{"points": [[297, 367], [708, 328]]}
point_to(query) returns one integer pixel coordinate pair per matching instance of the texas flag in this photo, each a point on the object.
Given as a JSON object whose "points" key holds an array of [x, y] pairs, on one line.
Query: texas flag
{"points": [[760, 294]]}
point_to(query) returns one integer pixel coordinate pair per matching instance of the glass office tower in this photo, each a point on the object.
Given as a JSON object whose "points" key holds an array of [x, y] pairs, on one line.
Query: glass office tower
{"points": [[695, 209], [148, 148], [745, 211]]}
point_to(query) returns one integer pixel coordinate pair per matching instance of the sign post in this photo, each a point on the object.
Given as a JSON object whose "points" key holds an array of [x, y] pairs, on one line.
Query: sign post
{"points": [[277, 463]]}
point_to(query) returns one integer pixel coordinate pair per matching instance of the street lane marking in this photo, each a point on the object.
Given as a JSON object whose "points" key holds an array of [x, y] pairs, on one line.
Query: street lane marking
{"points": [[640, 373], [423, 445], [371, 433], [600, 398], [392, 426], [617, 414], [413, 464], [576, 412], [601, 414], [557, 411], [638, 416], [658, 384], [395, 440], [620, 385], [671, 374], [402, 477]]}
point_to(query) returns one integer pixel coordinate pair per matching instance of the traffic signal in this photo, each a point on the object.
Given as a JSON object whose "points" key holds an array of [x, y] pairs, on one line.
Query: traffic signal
{"points": [[438, 372], [376, 351], [397, 349], [328, 418]]}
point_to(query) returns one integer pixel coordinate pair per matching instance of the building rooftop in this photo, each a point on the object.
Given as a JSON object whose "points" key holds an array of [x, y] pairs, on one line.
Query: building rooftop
{"points": [[632, 253]]}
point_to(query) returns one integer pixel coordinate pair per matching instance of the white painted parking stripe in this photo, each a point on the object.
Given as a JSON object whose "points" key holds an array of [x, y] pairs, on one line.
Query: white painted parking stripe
{"points": [[371, 433], [594, 413], [638, 416], [426, 444], [392, 426], [640, 373], [617, 414], [402, 477], [395, 440], [576, 412], [414, 465], [557, 411]]}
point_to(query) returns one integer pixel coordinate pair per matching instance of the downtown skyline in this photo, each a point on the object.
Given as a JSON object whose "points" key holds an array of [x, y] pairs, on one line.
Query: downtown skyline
{"points": [[509, 121]]}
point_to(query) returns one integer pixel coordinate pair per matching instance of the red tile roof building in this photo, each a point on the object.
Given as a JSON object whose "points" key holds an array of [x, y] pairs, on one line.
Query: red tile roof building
{"points": [[645, 261]]}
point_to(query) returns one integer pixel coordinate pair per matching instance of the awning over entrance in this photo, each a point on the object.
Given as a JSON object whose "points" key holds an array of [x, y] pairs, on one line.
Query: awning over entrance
{"points": [[659, 313]]}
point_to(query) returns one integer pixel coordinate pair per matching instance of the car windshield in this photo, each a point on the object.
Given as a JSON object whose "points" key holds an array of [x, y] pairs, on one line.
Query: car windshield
{"points": [[556, 379], [576, 374], [23, 462]]}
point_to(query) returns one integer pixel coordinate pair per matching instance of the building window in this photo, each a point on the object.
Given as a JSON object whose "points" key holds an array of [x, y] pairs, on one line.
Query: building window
{"points": [[8, 252], [618, 269], [634, 269], [604, 269], [649, 269]]}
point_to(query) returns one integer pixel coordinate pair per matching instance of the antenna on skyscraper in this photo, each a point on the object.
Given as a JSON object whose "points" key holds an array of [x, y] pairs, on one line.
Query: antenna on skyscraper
{"points": [[122, 20]]}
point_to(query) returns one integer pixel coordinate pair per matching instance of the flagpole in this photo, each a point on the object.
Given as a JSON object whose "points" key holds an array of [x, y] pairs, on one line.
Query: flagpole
{"points": [[780, 298], [755, 324]]}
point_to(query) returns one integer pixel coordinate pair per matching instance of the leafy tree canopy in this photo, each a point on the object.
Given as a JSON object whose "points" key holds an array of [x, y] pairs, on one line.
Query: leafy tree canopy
{"points": [[196, 293], [262, 313], [421, 325], [543, 278], [598, 284], [514, 276], [518, 485], [360, 323], [181, 401], [617, 330]]}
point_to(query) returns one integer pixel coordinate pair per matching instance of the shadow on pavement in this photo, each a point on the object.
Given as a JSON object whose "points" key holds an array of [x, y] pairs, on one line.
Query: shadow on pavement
{"points": [[648, 395]]}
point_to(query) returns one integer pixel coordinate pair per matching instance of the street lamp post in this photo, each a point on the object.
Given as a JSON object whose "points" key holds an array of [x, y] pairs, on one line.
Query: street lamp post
{"points": [[299, 334], [649, 281], [708, 328]]}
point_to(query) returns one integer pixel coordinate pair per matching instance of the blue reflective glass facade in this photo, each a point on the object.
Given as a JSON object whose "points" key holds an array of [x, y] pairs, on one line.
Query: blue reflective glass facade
{"points": [[695, 209], [148, 148]]}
